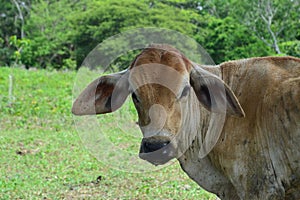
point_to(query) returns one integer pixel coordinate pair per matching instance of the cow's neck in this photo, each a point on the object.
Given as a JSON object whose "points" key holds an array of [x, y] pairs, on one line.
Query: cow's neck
{"points": [[201, 170], [196, 120]]}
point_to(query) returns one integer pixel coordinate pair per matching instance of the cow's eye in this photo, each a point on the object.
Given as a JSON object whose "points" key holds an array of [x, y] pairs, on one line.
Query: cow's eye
{"points": [[135, 98], [185, 91]]}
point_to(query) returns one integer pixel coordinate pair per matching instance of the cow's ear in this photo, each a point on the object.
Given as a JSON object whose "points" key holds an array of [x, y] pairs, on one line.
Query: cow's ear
{"points": [[214, 94], [104, 95]]}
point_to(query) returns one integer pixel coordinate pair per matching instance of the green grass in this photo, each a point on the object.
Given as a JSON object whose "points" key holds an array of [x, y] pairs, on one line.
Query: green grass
{"points": [[43, 157]]}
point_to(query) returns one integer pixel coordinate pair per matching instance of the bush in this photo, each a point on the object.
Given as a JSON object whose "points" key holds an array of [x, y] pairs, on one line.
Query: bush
{"points": [[291, 48], [230, 40]]}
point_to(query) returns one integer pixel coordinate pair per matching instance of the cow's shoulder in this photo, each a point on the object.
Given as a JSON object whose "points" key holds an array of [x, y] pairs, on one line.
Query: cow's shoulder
{"points": [[270, 65], [256, 75], [268, 84], [268, 91]]}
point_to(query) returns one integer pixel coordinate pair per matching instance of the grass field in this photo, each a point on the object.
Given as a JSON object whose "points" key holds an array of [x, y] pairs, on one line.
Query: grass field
{"points": [[43, 157]]}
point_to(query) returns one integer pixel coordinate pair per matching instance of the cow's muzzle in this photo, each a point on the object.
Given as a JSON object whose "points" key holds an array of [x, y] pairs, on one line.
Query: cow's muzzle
{"points": [[157, 150]]}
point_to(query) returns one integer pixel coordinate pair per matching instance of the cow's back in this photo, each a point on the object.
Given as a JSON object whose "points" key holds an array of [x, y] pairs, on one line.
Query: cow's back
{"points": [[260, 153]]}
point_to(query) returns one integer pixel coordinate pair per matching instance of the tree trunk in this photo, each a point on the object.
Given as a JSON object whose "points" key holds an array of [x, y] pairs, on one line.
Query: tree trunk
{"points": [[21, 18]]}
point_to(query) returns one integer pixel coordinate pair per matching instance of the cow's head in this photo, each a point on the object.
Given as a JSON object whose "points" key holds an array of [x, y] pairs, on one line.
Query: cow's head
{"points": [[163, 84]]}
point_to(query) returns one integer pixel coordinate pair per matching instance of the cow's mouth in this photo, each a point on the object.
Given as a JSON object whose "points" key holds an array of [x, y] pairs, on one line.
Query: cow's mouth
{"points": [[157, 150]]}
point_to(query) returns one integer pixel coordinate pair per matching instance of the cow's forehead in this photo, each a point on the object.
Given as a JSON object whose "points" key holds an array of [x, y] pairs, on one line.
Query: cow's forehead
{"points": [[160, 65], [157, 74], [164, 55]]}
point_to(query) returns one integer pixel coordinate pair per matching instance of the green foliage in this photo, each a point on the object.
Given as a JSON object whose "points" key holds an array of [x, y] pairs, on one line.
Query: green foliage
{"points": [[272, 21], [231, 40], [291, 48], [49, 29], [11, 25], [20, 55], [60, 34], [97, 22], [5, 53]]}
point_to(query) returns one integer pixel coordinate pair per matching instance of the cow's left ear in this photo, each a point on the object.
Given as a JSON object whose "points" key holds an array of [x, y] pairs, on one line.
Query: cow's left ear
{"points": [[104, 95], [214, 94]]}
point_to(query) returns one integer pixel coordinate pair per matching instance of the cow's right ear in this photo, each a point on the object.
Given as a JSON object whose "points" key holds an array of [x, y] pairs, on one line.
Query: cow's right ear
{"points": [[214, 94], [104, 95]]}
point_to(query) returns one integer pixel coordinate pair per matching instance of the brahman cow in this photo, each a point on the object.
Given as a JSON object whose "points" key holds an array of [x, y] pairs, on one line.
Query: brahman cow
{"points": [[257, 153]]}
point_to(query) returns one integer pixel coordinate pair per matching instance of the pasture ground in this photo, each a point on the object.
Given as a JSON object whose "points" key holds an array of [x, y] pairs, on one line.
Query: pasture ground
{"points": [[42, 156]]}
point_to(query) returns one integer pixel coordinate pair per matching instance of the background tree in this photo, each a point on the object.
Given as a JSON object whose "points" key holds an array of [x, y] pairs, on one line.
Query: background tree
{"points": [[59, 34], [273, 22], [231, 40], [13, 15], [103, 19], [49, 28]]}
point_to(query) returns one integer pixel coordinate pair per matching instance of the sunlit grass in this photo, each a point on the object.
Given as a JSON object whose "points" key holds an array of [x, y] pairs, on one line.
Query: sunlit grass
{"points": [[42, 156]]}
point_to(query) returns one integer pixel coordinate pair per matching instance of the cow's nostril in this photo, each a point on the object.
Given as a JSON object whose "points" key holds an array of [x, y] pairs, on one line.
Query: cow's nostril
{"points": [[149, 146]]}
